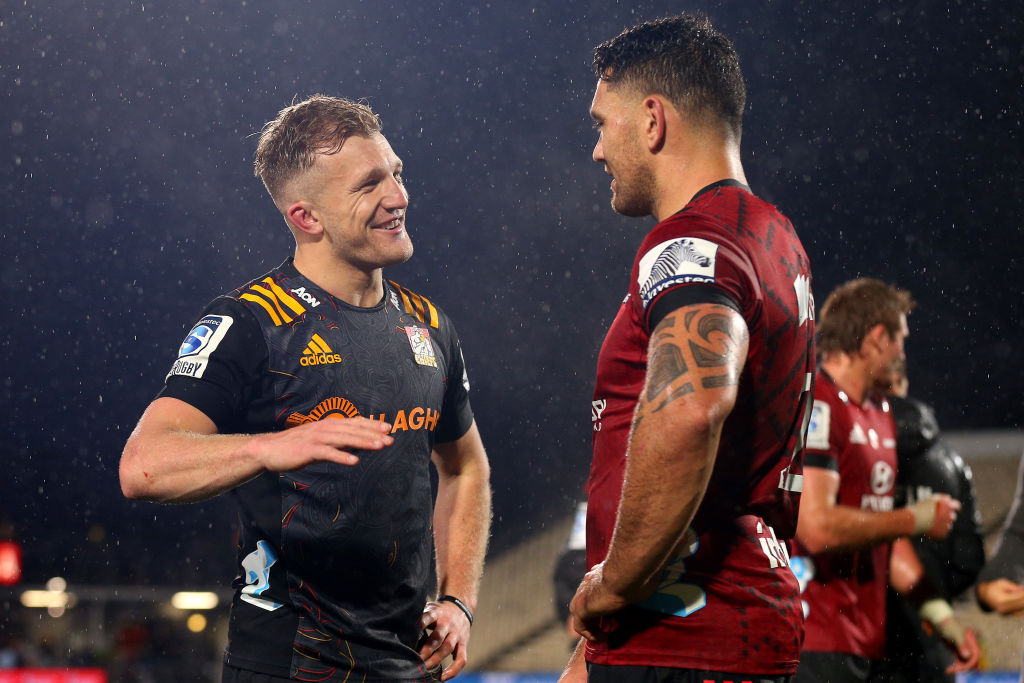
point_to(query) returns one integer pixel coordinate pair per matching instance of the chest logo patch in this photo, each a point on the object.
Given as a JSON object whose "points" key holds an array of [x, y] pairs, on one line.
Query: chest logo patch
{"points": [[858, 435], [318, 352], [335, 407], [882, 478], [422, 347]]}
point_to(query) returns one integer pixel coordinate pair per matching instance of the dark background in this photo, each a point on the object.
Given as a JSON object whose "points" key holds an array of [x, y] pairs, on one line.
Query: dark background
{"points": [[889, 132]]}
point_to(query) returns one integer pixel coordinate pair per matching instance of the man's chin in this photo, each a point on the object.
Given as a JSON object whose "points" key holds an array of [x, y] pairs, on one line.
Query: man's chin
{"points": [[631, 209], [402, 256]]}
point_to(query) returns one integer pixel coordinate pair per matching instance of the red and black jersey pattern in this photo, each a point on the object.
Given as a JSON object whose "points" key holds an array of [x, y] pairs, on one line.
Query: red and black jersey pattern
{"points": [[335, 562], [730, 601]]}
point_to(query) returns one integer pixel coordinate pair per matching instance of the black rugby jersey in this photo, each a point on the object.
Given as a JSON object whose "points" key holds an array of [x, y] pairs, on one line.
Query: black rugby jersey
{"points": [[335, 560]]}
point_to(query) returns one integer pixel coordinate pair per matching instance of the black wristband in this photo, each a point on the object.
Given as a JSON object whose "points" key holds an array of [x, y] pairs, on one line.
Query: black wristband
{"points": [[458, 603]]}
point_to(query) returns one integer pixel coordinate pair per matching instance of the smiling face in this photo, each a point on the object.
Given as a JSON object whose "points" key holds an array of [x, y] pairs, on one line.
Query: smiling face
{"points": [[619, 148], [360, 203]]}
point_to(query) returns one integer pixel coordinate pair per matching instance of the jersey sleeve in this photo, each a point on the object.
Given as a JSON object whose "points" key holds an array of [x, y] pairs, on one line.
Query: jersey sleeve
{"points": [[825, 439], [456, 413], [219, 359], [686, 262]]}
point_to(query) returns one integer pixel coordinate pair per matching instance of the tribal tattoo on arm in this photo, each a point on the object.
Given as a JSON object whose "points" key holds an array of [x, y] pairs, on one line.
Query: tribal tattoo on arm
{"points": [[704, 344]]}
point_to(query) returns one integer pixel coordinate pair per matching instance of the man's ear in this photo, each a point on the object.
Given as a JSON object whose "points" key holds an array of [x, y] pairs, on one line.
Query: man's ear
{"points": [[875, 339], [655, 124], [300, 216]]}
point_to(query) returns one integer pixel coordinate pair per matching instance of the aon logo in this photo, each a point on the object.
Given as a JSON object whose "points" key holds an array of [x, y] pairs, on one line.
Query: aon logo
{"points": [[306, 296]]}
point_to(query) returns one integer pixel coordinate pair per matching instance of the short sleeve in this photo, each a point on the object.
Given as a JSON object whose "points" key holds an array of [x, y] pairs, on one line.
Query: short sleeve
{"points": [[220, 357], [456, 413], [821, 447], [685, 262]]}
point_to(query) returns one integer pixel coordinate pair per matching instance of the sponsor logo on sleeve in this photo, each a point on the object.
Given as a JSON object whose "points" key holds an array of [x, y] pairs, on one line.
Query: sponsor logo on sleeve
{"points": [[201, 342], [817, 429], [674, 262]]}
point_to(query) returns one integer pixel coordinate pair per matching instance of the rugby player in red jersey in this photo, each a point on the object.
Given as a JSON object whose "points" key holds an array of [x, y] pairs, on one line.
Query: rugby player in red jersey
{"points": [[703, 383], [847, 521]]}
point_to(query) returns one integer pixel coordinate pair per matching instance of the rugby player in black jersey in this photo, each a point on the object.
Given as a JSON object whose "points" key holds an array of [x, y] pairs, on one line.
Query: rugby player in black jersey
{"points": [[316, 396]]}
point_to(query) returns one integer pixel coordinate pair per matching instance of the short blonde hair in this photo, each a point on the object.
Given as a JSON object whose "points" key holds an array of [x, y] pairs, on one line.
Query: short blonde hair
{"points": [[289, 145]]}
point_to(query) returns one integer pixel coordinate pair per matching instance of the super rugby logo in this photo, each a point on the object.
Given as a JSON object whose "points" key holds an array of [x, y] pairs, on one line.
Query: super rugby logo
{"points": [[201, 341], [677, 261]]}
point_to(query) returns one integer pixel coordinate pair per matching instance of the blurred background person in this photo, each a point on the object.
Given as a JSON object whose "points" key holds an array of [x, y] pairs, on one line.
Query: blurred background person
{"points": [[570, 567], [1001, 582], [928, 465], [848, 519]]}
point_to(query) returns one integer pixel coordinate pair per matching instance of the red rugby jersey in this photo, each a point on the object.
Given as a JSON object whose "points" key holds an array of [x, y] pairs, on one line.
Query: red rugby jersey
{"points": [[845, 593], [732, 603]]}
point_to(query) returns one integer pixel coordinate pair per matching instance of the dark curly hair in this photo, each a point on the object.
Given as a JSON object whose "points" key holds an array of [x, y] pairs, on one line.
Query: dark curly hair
{"points": [[684, 59]]}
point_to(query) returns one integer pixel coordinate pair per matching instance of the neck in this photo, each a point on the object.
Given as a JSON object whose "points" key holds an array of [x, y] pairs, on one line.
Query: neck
{"points": [[849, 374], [342, 281], [683, 173]]}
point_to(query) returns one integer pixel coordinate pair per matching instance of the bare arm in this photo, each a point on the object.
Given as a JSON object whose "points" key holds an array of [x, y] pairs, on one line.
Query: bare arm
{"points": [[175, 454], [908, 578], [695, 358], [462, 522], [576, 669], [1003, 596], [825, 526]]}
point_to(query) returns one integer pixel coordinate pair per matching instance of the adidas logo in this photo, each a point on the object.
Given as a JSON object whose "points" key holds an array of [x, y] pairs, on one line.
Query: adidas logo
{"points": [[318, 352]]}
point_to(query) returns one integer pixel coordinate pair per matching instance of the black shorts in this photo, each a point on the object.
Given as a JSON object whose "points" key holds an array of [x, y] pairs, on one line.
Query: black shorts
{"points": [[832, 667], [601, 673]]}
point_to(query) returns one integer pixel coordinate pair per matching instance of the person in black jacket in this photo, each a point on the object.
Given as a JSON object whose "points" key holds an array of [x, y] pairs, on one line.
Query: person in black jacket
{"points": [[1001, 583], [928, 465]]}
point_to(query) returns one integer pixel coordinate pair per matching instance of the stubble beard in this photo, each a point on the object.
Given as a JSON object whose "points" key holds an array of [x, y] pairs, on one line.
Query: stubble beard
{"points": [[635, 197]]}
